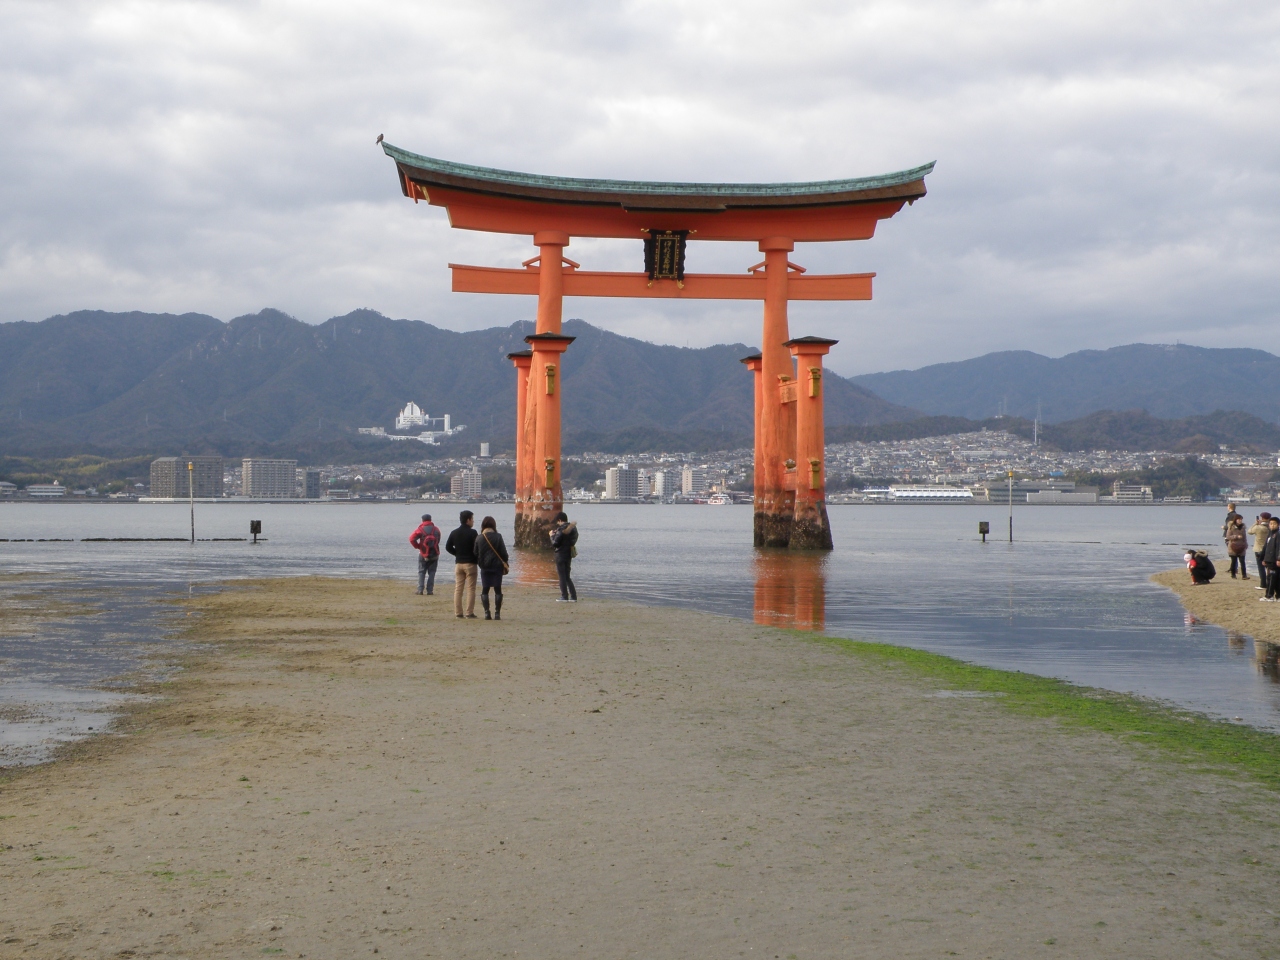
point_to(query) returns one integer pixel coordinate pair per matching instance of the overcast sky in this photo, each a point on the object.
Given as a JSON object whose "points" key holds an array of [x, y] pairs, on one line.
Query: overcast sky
{"points": [[1107, 172]]}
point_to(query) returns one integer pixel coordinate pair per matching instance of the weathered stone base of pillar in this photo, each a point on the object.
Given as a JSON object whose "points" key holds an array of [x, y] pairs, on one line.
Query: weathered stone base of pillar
{"points": [[533, 524], [811, 530], [773, 520]]}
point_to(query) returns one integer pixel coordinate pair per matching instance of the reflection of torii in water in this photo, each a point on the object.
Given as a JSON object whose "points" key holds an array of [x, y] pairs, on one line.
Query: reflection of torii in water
{"points": [[790, 476]]}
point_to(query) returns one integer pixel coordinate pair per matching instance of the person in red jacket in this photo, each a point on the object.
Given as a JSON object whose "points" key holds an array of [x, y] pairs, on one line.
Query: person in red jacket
{"points": [[426, 540]]}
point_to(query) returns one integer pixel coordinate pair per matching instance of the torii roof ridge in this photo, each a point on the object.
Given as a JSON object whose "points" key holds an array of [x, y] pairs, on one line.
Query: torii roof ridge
{"points": [[643, 194]]}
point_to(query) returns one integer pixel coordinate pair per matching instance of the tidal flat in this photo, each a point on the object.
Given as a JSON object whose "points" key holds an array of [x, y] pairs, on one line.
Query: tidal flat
{"points": [[342, 767]]}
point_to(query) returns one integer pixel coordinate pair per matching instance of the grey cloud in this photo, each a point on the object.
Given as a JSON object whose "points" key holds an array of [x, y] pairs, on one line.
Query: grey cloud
{"points": [[1107, 172]]}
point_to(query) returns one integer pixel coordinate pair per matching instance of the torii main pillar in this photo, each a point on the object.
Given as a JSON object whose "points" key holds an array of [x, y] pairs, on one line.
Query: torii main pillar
{"points": [[790, 482]]}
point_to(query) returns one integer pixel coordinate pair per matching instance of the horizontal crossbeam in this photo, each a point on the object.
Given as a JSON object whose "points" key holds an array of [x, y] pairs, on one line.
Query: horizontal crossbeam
{"points": [[697, 286]]}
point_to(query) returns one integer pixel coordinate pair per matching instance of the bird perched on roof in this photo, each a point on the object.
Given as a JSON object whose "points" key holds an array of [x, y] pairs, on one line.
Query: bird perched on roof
{"points": [[379, 140]]}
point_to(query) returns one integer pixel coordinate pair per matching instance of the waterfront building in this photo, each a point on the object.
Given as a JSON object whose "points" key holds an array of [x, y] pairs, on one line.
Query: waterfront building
{"points": [[666, 483], [996, 491], [621, 483], [269, 479], [46, 491], [1131, 493], [1080, 495], [311, 485], [465, 483], [7, 489], [915, 493], [171, 478], [693, 480]]}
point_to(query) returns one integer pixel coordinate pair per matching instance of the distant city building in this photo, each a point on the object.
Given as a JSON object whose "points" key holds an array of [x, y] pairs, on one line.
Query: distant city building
{"points": [[311, 485], [1123, 492], [46, 490], [414, 416], [913, 493], [465, 483], [693, 480], [373, 431], [171, 478], [484, 450], [666, 483], [621, 483], [1080, 495], [411, 416], [7, 489], [998, 492], [269, 479]]}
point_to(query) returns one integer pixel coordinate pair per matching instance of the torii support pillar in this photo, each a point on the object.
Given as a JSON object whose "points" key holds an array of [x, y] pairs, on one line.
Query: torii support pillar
{"points": [[810, 528], [776, 420], [753, 364], [545, 495], [522, 360]]}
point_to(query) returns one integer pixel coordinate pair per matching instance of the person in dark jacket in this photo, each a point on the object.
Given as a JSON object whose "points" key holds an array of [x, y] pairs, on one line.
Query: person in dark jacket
{"points": [[1200, 566], [426, 540], [1270, 557], [564, 537], [461, 545], [1237, 545], [491, 557]]}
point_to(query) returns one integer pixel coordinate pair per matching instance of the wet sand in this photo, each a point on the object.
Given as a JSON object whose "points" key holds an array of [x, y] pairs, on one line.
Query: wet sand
{"points": [[1231, 604], [347, 770]]}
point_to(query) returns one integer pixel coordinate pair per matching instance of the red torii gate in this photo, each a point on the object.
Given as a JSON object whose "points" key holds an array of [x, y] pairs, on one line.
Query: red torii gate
{"points": [[790, 477]]}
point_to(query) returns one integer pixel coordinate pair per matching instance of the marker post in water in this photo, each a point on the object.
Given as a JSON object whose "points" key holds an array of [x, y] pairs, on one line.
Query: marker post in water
{"points": [[1011, 506], [191, 496]]}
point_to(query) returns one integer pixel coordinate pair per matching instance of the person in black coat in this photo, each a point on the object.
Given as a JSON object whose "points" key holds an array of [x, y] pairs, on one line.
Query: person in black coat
{"points": [[461, 545], [491, 555], [564, 538], [1270, 559]]}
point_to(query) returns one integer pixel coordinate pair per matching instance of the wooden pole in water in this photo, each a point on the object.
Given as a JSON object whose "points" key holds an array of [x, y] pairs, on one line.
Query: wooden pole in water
{"points": [[1011, 506], [191, 496]]}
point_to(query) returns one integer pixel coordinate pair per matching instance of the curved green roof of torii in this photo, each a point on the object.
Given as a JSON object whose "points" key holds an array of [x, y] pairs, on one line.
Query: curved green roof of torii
{"points": [[428, 171]]}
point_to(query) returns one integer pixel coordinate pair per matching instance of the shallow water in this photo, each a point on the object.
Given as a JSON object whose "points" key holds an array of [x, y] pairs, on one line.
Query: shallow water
{"points": [[1070, 598]]}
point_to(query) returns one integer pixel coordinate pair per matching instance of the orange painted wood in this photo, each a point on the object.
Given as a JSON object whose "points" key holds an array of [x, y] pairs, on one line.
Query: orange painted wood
{"points": [[470, 211], [697, 286]]}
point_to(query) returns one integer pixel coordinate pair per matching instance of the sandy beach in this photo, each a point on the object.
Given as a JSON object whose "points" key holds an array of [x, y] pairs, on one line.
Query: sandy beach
{"points": [[343, 769], [1231, 604]]}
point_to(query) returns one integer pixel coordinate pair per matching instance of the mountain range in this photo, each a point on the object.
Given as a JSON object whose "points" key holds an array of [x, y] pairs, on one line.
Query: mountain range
{"points": [[129, 383], [135, 384], [1166, 381]]}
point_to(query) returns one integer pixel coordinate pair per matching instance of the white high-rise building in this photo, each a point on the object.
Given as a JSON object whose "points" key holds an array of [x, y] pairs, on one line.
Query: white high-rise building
{"points": [[693, 480], [621, 483], [269, 479], [666, 483]]}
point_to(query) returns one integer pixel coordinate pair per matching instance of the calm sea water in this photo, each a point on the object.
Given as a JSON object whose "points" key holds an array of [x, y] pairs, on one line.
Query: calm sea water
{"points": [[1069, 598]]}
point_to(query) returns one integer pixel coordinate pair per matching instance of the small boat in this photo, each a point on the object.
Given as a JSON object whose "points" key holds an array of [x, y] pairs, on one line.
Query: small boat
{"points": [[719, 499]]}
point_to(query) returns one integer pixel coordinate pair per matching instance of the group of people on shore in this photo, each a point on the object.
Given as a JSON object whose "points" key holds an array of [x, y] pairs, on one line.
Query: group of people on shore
{"points": [[482, 554], [1265, 534]]}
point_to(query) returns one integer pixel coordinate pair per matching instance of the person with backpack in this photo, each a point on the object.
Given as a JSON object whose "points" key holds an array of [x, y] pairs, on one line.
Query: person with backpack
{"points": [[1270, 556], [1237, 544], [564, 540], [461, 545], [426, 540], [491, 557]]}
